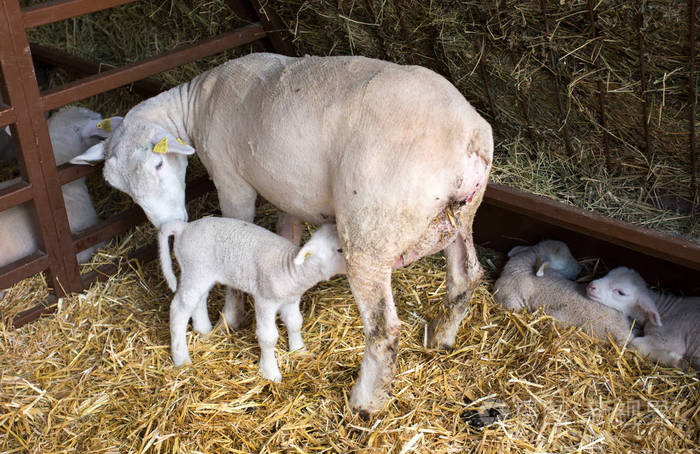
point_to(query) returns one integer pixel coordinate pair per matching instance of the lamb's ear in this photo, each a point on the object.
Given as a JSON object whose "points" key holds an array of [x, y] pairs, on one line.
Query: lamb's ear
{"points": [[646, 305], [93, 154], [101, 128], [303, 254], [540, 265], [517, 250]]}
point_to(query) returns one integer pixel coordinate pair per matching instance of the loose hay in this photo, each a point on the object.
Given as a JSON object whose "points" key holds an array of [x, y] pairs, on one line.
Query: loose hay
{"points": [[97, 376], [508, 38]]}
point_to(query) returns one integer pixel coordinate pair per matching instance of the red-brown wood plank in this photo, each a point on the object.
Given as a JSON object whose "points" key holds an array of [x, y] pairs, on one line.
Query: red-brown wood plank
{"points": [[35, 157], [108, 80], [55, 57], [7, 116], [14, 195], [23, 268], [630, 236], [49, 12]]}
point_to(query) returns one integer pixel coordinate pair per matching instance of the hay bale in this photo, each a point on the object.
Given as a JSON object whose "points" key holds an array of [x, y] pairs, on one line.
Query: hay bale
{"points": [[508, 38]]}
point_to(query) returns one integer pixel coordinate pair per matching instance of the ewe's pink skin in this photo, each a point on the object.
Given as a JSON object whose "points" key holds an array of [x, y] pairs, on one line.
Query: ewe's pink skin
{"points": [[383, 149]]}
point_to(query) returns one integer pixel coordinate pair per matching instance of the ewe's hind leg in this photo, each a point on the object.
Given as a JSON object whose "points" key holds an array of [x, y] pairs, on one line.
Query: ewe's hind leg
{"points": [[292, 319], [370, 282], [463, 276], [237, 200], [266, 330]]}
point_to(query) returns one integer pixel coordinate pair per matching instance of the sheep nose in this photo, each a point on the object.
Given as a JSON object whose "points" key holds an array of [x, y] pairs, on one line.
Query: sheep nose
{"points": [[591, 287]]}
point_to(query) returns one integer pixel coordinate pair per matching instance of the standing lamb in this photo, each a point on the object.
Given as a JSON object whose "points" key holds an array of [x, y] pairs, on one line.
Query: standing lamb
{"points": [[251, 259], [394, 154], [72, 130], [539, 276], [672, 323]]}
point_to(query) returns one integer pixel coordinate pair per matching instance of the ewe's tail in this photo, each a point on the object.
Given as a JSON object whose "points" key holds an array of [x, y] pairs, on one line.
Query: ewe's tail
{"points": [[166, 263]]}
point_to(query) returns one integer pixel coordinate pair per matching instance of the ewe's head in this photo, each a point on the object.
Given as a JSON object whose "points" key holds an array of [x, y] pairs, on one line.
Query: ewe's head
{"points": [[323, 252], [625, 290], [552, 255], [148, 163]]}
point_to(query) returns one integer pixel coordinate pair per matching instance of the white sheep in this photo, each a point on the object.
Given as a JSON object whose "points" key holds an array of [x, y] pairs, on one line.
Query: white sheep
{"points": [[672, 323], [540, 276], [72, 131], [394, 155], [251, 259]]}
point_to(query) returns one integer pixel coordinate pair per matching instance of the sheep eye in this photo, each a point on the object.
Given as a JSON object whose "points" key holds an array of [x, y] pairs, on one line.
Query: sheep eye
{"points": [[340, 250], [159, 165], [620, 292]]}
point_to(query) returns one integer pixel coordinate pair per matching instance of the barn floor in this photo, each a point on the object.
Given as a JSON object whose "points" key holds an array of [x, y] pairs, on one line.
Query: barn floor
{"points": [[97, 377]]}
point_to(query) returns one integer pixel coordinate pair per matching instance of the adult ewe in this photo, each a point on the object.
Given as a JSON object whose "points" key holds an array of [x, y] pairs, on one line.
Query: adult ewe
{"points": [[393, 154]]}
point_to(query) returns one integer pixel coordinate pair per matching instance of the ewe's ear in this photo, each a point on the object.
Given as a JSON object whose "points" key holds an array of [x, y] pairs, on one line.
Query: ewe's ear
{"points": [[647, 306], [100, 128], [540, 265], [517, 250], [93, 154]]}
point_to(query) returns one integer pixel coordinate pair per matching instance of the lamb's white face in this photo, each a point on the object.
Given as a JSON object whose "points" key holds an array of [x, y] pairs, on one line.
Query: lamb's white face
{"points": [[326, 251], [149, 164], [619, 289]]}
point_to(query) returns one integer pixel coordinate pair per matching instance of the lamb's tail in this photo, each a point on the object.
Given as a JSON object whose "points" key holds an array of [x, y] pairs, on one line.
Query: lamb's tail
{"points": [[166, 263]]}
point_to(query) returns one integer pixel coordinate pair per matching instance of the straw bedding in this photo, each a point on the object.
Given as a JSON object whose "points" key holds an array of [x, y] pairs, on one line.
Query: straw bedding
{"points": [[97, 375]]}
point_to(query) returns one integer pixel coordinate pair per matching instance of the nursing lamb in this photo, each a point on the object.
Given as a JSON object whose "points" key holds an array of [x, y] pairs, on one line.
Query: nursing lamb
{"points": [[672, 323], [539, 276], [393, 154], [249, 258], [72, 131]]}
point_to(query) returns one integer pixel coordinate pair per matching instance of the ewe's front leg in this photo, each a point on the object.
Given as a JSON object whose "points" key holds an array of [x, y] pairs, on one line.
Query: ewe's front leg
{"points": [[370, 283], [292, 319], [266, 330], [463, 276]]}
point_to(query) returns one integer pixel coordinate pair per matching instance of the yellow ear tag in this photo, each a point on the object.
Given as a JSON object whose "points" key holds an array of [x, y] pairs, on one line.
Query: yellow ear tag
{"points": [[308, 253], [162, 146], [105, 125], [182, 142]]}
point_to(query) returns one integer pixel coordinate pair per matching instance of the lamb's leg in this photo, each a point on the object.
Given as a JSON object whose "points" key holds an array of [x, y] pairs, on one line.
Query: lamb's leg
{"points": [[292, 319], [463, 276], [200, 317], [182, 307], [237, 200], [370, 282], [266, 330], [289, 227], [666, 351]]}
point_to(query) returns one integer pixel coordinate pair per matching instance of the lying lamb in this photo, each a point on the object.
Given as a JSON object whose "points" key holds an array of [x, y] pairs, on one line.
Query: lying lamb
{"points": [[539, 276], [672, 328], [249, 258], [72, 130]]}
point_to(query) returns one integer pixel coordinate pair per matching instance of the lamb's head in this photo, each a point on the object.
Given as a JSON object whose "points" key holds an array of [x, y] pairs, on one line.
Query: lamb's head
{"points": [[553, 255], [323, 253], [625, 290], [148, 162]]}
